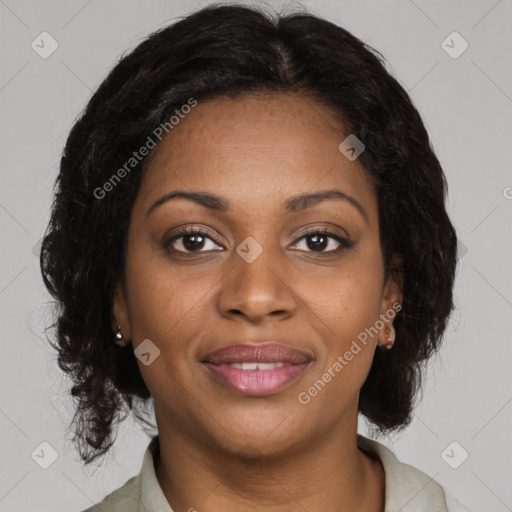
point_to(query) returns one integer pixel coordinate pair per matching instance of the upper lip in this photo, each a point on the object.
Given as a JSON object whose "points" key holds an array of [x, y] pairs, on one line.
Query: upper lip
{"points": [[266, 352]]}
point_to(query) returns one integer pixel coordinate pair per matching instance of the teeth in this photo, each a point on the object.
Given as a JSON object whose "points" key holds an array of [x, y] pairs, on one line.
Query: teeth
{"points": [[245, 366], [256, 366]]}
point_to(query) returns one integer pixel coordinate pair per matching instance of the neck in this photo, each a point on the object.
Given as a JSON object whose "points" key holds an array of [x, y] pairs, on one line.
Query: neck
{"points": [[330, 473]]}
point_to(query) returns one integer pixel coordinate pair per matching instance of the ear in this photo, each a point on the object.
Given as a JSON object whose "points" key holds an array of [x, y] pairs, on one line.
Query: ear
{"points": [[392, 296], [120, 315]]}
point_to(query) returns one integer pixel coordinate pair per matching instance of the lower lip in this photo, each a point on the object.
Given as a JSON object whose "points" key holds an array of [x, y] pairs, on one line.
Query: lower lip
{"points": [[256, 382]]}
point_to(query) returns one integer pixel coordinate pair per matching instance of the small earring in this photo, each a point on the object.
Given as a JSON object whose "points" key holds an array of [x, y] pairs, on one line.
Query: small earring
{"points": [[391, 338], [120, 341]]}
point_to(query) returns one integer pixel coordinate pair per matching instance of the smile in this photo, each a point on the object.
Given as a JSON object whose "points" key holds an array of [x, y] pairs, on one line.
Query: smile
{"points": [[256, 378], [260, 369]]}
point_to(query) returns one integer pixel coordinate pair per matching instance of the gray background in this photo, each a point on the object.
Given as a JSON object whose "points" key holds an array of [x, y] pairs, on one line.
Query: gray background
{"points": [[466, 104]]}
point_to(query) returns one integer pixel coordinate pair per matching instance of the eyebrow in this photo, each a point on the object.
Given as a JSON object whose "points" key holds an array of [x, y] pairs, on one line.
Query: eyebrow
{"points": [[291, 205]]}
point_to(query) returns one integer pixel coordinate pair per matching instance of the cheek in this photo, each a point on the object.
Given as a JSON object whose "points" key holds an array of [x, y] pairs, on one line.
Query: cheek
{"points": [[343, 310], [164, 311], [158, 305], [170, 305], [345, 356], [346, 303]]}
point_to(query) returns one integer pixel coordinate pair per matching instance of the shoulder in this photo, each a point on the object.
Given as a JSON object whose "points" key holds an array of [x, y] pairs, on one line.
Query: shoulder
{"points": [[123, 499], [409, 489], [140, 491]]}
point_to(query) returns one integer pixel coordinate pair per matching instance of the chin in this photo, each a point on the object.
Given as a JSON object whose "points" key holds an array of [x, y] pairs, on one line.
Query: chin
{"points": [[253, 435]]}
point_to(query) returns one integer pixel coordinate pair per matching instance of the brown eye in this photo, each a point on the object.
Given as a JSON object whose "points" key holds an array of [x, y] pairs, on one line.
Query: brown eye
{"points": [[319, 240], [190, 240]]}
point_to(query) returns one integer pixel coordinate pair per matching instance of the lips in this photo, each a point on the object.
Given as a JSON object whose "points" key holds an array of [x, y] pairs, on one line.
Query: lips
{"points": [[257, 369], [260, 353]]}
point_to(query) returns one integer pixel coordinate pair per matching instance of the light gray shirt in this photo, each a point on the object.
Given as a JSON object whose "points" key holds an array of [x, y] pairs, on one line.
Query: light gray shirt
{"points": [[407, 488]]}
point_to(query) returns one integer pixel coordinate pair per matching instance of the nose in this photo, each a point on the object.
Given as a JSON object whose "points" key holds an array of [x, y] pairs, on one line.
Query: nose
{"points": [[256, 290]]}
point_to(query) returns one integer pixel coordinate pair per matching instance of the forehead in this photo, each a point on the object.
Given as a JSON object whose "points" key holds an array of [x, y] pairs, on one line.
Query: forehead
{"points": [[256, 150]]}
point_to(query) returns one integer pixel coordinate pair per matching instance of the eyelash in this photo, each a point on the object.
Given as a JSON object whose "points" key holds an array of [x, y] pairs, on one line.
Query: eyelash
{"points": [[344, 242]]}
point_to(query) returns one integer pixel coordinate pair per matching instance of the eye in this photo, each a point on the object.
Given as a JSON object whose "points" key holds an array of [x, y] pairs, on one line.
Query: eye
{"points": [[190, 240], [321, 239]]}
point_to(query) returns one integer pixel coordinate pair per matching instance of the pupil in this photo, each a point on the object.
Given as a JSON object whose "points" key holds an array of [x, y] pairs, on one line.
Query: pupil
{"points": [[194, 245], [316, 245]]}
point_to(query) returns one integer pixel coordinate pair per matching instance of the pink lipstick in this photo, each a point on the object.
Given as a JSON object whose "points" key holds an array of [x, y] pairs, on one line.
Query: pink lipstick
{"points": [[257, 369]]}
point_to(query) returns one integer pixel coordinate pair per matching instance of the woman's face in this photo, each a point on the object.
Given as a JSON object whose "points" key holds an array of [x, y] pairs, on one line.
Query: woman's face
{"points": [[252, 277]]}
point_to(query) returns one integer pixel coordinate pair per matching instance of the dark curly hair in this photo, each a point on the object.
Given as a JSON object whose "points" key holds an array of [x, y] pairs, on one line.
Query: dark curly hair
{"points": [[228, 50]]}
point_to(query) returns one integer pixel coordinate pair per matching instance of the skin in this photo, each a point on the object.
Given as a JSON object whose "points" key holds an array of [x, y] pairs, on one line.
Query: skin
{"points": [[221, 450]]}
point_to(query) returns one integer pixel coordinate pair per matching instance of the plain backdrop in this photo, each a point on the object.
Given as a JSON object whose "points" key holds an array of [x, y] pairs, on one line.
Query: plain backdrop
{"points": [[465, 100]]}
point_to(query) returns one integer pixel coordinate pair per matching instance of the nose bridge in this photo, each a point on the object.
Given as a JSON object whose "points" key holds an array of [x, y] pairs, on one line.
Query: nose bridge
{"points": [[255, 285]]}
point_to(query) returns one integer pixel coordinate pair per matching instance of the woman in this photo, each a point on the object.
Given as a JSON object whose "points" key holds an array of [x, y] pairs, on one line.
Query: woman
{"points": [[249, 233]]}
